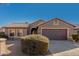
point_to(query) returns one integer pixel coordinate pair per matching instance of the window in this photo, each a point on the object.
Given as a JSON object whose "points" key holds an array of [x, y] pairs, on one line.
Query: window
{"points": [[11, 34], [19, 34]]}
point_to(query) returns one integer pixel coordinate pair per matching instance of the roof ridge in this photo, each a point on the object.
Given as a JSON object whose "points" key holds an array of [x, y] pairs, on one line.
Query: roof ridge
{"points": [[58, 19], [37, 21]]}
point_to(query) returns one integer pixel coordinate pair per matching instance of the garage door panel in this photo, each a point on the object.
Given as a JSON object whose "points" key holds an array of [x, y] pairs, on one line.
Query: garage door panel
{"points": [[57, 34]]}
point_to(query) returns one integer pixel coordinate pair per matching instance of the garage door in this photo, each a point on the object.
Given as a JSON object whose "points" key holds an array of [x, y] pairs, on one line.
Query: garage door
{"points": [[56, 34]]}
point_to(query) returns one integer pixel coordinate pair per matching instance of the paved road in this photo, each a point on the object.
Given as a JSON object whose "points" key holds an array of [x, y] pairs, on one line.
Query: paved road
{"points": [[56, 47]]}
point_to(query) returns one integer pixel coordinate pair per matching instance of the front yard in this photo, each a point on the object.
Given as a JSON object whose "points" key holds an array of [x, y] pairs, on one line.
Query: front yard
{"points": [[56, 48]]}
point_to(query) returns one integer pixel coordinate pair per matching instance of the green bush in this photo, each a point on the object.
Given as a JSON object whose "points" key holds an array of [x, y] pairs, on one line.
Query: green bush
{"points": [[34, 44], [2, 35], [75, 37]]}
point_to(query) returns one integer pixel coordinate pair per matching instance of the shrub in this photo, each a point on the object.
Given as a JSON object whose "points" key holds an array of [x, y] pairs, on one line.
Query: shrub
{"points": [[2, 35], [34, 44], [75, 37]]}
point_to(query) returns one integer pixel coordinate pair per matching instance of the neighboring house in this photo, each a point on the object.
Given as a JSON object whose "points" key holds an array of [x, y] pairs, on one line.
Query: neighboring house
{"points": [[56, 29], [16, 29], [76, 29]]}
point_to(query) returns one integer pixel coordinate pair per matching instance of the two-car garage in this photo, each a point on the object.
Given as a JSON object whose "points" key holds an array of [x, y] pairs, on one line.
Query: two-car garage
{"points": [[55, 34]]}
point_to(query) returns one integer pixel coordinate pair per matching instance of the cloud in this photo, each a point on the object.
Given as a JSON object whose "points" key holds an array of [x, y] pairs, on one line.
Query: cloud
{"points": [[4, 4]]}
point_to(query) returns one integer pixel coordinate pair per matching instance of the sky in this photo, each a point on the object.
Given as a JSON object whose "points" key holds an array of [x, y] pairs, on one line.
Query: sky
{"points": [[30, 12]]}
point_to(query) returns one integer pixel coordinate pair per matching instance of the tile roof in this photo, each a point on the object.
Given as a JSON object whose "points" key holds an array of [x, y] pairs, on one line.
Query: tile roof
{"points": [[17, 25], [77, 26], [38, 22]]}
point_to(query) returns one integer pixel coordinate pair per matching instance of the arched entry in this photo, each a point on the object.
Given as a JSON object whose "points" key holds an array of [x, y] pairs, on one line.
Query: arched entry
{"points": [[34, 30]]}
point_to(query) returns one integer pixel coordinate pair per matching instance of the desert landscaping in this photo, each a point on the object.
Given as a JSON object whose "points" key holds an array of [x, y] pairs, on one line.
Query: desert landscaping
{"points": [[56, 48]]}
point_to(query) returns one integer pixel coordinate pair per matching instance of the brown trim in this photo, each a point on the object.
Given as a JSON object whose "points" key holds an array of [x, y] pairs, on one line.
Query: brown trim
{"points": [[58, 19]]}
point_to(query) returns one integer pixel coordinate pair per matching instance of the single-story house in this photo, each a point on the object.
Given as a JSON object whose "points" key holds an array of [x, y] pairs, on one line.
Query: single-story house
{"points": [[56, 29], [16, 29]]}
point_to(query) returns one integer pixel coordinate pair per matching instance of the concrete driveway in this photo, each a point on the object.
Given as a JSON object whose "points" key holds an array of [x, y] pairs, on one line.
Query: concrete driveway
{"points": [[56, 48], [63, 48]]}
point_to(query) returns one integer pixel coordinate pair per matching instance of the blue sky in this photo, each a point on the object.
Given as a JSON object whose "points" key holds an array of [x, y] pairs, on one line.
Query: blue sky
{"points": [[30, 12]]}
